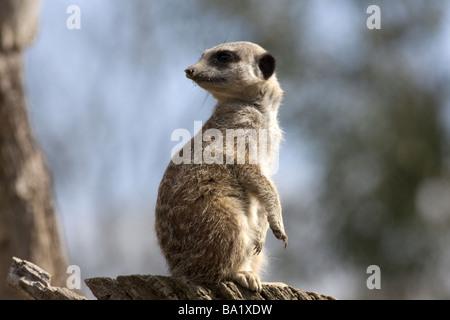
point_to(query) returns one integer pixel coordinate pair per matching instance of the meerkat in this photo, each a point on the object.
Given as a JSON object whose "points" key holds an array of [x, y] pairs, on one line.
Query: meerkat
{"points": [[211, 219]]}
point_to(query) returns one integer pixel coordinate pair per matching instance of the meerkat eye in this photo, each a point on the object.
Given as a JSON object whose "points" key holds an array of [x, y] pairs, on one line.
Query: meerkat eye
{"points": [[224, 57]]}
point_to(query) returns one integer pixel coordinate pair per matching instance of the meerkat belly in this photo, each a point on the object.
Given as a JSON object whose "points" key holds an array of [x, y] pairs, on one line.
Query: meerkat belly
{"points": [[255, 223]]}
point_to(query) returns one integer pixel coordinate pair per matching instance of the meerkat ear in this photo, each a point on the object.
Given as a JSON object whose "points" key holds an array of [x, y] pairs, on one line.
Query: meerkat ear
{"points": [[267, 65]]}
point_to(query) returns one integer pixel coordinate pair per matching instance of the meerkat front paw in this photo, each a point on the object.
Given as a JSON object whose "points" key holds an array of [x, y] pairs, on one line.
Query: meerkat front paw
{"points": [[258, 247], [248, 279], [279, 233]]}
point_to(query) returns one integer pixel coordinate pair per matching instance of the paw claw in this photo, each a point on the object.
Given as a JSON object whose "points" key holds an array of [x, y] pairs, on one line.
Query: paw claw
{"points": [[281, 236], [258, 248]]}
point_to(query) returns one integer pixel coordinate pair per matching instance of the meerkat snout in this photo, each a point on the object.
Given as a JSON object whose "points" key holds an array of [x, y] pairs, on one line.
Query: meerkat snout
{"points": [[189, 72]]}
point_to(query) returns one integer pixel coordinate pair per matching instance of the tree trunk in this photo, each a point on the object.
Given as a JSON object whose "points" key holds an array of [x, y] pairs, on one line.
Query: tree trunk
{"points": [[28, 224]]}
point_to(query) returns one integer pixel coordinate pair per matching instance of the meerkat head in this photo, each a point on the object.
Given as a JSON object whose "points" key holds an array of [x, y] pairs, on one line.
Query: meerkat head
{"points": [[236, 70]]}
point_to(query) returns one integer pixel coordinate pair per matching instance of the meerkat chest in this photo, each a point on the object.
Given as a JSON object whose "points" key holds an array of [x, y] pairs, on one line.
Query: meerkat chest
{"points": [[270, 156]]}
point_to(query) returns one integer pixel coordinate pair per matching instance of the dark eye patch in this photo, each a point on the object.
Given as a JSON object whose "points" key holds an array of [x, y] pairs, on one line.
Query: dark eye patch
{"points": [[225, 57]]}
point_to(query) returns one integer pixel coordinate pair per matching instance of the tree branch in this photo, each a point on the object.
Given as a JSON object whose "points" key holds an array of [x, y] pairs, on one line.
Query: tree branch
{"points": [[34, 283], [162, 287]]}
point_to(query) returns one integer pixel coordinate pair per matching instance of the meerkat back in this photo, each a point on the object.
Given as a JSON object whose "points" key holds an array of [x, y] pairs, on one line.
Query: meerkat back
{"points": [[214, 208]]}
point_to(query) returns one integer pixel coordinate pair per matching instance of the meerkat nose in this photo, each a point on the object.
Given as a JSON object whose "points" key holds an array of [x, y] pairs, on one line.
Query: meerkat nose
{"points": [[189, 72]]}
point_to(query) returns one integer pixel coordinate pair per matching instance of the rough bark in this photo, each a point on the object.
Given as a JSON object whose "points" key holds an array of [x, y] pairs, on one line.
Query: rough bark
{"points": [[28, 222], [34, 283], [150, 287]]}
